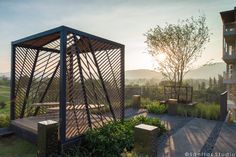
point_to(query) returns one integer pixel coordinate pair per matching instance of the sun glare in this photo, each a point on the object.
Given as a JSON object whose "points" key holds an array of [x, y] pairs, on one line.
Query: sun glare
{"points": [[161, 57]]}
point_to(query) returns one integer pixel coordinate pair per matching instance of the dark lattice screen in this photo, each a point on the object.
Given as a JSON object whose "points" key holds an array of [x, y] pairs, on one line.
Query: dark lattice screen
{"points": [[94, 80]]}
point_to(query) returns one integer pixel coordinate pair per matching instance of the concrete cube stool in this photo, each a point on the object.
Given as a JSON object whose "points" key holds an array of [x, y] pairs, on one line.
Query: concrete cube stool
{"points": [[136, 101], [47, 138], [234, 115], [172, 106], [145, 139]]}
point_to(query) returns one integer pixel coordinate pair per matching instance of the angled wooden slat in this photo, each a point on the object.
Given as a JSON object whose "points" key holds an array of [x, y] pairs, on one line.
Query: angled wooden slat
{"points": [[93, 68]]}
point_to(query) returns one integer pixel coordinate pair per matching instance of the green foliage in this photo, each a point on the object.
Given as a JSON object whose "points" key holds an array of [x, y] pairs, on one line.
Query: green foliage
{"points": [[157, 109], [4, 92], [6, 109], [128, 103], [201, 110], [153, 106], [201, 91], [4, 99], [132, 154], [187, 39], [112, 139], [210, 83], [208, 95], [2, 105], [4, 120], [109, 140], [4, 82], [153, 92]]}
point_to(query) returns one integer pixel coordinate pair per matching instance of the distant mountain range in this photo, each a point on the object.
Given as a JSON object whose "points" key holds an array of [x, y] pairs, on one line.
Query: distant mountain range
{"points": [[204, 72]]}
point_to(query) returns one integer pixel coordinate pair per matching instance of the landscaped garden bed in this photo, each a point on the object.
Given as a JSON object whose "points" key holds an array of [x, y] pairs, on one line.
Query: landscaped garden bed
{"points": [[201, 110], [114, 138], [153, 106]]}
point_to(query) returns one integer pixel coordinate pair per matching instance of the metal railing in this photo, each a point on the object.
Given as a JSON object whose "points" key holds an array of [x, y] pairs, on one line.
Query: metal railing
{"points": [[227, 55], [229, 77], [231, 27]]}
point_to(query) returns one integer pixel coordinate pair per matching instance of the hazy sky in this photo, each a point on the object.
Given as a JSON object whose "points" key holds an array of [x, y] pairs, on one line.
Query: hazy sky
{"points": [[124, 21]]}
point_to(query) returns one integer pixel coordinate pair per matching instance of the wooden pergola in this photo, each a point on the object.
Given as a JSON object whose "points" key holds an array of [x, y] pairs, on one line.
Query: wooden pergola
{"points": [[69, 76]]}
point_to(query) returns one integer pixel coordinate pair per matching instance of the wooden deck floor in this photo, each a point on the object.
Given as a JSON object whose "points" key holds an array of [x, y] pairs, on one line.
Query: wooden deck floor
{"points": [[30, 124], [27, 127]]}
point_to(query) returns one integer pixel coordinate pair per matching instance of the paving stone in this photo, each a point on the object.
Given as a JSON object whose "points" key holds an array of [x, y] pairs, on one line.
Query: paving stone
{"points": [[190, 138], [131, 112], [226, 142], [170, 122], [195, 135]]}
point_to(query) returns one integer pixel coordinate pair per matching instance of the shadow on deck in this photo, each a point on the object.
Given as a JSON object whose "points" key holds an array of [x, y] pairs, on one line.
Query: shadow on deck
{"points": [[27, 128]]}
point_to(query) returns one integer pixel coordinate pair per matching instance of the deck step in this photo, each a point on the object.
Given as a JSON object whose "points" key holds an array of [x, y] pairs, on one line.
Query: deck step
{"points": [[5, 132]]}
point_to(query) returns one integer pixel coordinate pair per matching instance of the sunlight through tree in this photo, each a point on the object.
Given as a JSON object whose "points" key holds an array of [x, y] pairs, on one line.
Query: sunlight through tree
{"points": [[177, 46]]}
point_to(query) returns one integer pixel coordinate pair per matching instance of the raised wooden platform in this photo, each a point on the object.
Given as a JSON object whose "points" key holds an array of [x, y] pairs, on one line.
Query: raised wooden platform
{"points": [[31, 123], [28, 127]]}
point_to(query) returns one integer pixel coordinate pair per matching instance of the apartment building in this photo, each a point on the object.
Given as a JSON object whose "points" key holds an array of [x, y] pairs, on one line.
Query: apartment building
{"points": [[229, 51]]}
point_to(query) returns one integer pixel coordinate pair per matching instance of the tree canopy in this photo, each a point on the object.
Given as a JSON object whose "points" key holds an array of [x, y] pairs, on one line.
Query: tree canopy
{"points": [[180, 43]]}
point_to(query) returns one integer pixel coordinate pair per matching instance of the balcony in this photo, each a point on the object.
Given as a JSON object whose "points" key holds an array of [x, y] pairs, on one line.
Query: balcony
{"points": [[229, 78], [230, 29], [229, 58]]}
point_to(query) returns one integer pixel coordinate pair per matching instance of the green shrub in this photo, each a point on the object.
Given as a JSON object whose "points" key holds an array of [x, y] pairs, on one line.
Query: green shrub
{"points": [[156, 108], [153, 106], [145, 102], [132, 154], [2, 105], [128, 103], [4, 120], [112, 139], [181, 110]]}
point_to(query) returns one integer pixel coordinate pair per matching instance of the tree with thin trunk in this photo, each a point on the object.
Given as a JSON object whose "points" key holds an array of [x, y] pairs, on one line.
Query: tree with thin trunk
{"points": [[180, 44], [210, 83]]}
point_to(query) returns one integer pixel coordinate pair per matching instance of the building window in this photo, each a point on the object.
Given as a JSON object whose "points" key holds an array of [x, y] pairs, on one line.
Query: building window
{"points": [[230, 70], [230, 50]]}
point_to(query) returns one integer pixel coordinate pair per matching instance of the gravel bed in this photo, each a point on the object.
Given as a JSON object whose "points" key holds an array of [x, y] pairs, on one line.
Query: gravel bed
{"points": [[210, 142]]}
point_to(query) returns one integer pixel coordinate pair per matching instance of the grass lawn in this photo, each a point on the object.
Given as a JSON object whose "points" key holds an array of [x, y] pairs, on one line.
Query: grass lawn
{"points": [[4, 97], [4, 93], [13, 146]]}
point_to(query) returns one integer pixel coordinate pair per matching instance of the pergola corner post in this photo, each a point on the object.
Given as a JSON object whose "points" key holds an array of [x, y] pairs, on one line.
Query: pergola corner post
{"points": [[62, 94], [12, 95], [123, 81]]}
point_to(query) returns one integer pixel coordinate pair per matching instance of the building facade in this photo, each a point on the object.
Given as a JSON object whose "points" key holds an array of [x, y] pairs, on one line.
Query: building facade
{"points": [[229, 51]]}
